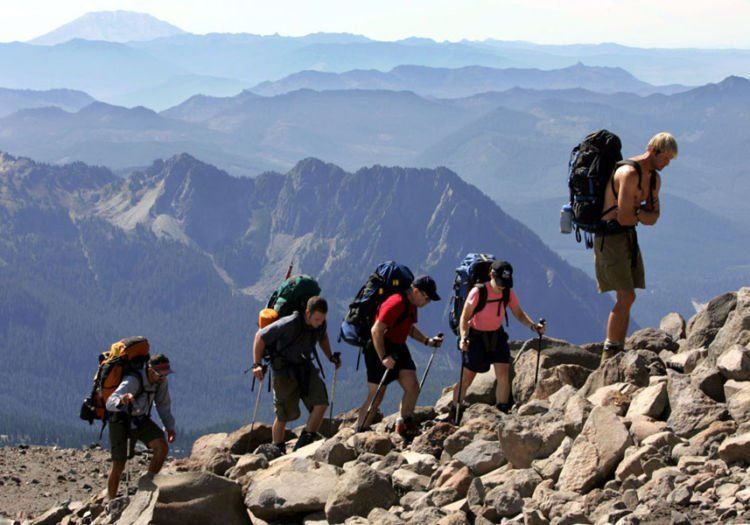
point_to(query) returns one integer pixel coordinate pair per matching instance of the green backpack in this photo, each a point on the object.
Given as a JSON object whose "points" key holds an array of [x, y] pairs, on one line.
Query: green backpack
{"points": [[293, 294]]}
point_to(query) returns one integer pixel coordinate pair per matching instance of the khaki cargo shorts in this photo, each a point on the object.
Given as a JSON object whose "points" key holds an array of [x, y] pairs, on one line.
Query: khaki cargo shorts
{"points": [[287, 395], [614, 270]]}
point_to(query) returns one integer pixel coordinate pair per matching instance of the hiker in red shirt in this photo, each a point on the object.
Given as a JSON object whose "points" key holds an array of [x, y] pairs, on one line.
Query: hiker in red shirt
{"points": [[394, 323]]}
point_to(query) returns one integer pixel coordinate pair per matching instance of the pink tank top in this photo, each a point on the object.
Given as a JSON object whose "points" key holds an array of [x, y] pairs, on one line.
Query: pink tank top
{"points": [[488, 319]]}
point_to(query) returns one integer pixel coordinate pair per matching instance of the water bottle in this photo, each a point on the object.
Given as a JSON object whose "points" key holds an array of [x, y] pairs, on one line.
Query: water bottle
{"points": [[566, 219]]}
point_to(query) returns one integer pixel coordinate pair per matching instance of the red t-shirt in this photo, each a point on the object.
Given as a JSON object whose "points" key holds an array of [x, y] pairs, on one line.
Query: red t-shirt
{"points": [[391, 311]]}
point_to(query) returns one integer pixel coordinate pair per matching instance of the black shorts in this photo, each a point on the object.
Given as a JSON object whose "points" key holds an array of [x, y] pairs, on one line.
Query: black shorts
{"points": [[375, 367], [485, 349]]}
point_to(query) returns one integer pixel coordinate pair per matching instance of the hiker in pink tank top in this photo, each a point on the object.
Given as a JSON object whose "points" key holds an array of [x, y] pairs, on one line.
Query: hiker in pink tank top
{"points": [[482, 338]]}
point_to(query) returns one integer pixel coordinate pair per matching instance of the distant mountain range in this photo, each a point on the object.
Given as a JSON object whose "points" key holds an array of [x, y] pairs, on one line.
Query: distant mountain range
{"points": [[110, 26], [152, 72], [185, 254], [513, 145], [12, 100], [467, 81]]}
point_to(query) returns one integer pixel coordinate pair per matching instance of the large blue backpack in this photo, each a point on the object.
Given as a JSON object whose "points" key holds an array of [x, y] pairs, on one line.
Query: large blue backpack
{"points": [[387, 279], [474, 270]]}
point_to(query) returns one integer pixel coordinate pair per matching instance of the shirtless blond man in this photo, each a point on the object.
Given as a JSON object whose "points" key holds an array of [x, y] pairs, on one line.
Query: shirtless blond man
{"points": [[631, 197]]}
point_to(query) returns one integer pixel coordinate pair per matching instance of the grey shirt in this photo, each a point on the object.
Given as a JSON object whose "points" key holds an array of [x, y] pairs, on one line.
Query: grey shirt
{"points": [[150, 393], [293, 339]]}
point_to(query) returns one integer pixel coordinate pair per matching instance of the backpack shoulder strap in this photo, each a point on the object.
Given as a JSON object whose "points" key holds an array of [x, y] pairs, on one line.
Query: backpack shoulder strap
{"points": [[406, 313], [482, 302]]}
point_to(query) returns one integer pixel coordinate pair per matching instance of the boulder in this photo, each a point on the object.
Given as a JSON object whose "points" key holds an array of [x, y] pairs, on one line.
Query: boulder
{"points": [[431, 440], [642, 427], [406, 480], [632, 463], [652, 339], [334, 452], [357, 493], [736, 329], [731, 387], [245, 441], [500, 503], [370, 441], [651, 401], [524, 439], [690, 409], [193, 498], [734, 363], [551, 467], [219, 462], [382, 516], [576, 413], [481, 456], [552, 356], [245, 464], [459, 480], [206, 446], [709, 380], [703, 326], [739, 405], [523, 481], [736, 448], [616, 396], [51, 517], [482, 389], [595, 453], [560, 376], [290, 487], [686, 362], [634, 366], [674, 325]]}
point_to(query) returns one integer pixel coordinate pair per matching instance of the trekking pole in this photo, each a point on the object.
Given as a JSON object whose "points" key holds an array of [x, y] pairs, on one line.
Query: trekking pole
{"points": [[257, 398], [336, 356], [539, 352], [359, 356], [460, 385], [372, 401], [429, 363]]}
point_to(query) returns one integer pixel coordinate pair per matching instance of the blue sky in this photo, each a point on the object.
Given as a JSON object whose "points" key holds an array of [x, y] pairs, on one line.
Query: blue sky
{"points": [[648, 23]]}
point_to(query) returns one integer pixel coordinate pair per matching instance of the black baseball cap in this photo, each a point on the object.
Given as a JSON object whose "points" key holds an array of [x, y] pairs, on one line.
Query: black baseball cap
{"points": [[426, 284], [503, 271]]}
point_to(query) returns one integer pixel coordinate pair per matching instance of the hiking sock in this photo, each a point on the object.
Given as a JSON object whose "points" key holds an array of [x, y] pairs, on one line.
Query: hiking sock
{"points": [[610, 349]]}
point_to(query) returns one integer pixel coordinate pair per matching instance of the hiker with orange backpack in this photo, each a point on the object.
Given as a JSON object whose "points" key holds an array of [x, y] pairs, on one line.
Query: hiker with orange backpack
{"points": [[129, 415], [482, 339], [292, 340]]}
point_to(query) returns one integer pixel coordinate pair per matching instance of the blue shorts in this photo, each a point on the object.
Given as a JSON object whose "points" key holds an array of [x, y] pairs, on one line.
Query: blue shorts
{"points": [[486, 349]]}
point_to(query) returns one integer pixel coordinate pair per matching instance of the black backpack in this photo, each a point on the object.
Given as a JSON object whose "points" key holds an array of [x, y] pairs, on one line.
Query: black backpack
{"points": [[387, 279], [590, 169]]}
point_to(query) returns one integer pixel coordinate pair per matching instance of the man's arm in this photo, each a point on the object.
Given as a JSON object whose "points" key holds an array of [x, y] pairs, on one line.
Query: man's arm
{"points": [[628, 178], [164, 407], [416, 334], [378, 338], [649, 213], [128, 386]]}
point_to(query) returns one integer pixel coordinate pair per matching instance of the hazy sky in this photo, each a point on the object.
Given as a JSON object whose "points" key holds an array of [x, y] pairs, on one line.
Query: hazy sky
{"points": [[651, 23]]}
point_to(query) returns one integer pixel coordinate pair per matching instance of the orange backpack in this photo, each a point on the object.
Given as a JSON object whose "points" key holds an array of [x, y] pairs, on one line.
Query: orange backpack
{"points": [[125, 356]]}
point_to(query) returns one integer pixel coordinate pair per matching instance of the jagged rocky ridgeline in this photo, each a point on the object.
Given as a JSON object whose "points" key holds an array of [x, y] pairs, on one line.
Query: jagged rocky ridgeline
{"points": [[658, 434]]}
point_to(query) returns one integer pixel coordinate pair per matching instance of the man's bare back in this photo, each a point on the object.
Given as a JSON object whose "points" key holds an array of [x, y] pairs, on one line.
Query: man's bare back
{"points": [[630, 199]]}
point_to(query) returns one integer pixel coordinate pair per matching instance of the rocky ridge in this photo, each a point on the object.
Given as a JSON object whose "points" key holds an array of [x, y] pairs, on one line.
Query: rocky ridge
{"points": [[660, 433]]}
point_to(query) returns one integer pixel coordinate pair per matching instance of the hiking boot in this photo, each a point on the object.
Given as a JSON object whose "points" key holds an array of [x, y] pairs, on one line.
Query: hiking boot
{"points": [[305, 438], [412, 429], [453, 412], [504, 407], [271, 451], [609, 351]]}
